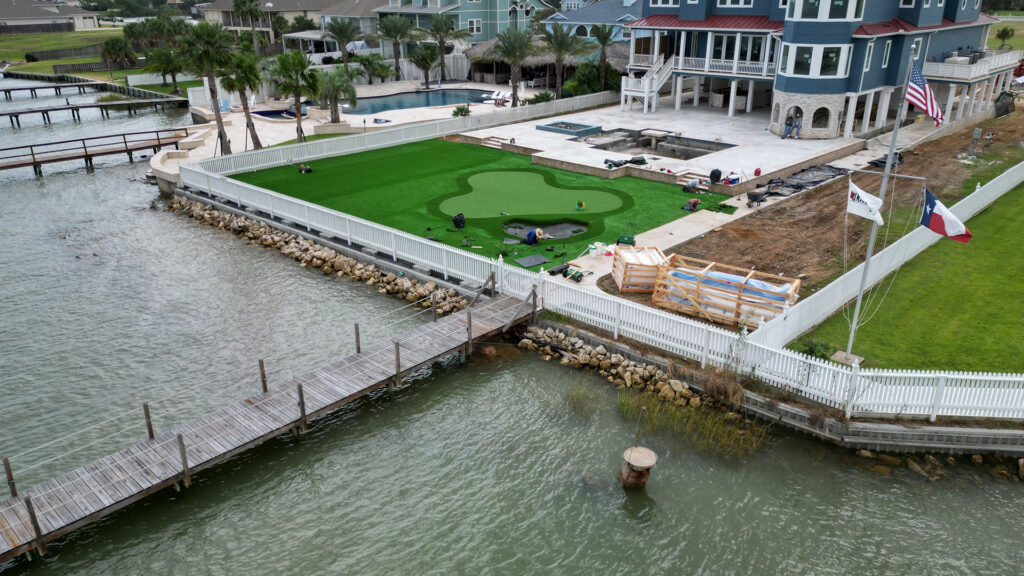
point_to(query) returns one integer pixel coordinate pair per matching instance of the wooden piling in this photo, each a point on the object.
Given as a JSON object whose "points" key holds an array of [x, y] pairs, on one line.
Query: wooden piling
{"points": [[433, 305], [187, 476], [358, 349], [263, 376], [149, 421], [302, 408], [40, 545], [10, 478], [398, 367], [469, 332]]}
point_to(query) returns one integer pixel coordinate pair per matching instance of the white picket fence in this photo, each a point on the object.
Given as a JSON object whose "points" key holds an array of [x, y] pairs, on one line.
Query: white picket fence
{"points": [[883, 392]]}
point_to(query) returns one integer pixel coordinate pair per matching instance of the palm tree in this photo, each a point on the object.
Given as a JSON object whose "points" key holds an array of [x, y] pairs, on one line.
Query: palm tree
{"points": [[157, 30], [205, 49], [1004, 34], [293, 75], [374, 66], [442, 30], [117, 50], [241, 75], [135, 34], [334, 86], [342, 31], [562, 45], [249, 9], [513, 47], [165, 62], [425, 57], [400, 31], [301, 23], [603, 34]]}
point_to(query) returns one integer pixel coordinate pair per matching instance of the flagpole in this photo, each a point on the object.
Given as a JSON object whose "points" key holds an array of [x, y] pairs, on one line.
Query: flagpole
{"points": [[900, 116]]}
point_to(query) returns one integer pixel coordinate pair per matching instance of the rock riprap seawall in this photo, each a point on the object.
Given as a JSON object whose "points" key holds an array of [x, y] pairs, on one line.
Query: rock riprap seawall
{"points": [[310, 254]]}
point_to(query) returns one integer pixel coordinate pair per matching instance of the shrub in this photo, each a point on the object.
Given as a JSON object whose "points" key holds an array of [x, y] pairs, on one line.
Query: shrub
{"points": [[31, 58], [817, 348], [586, 80], [723, 387], [542, 97], [328, 60], [461, 110]]}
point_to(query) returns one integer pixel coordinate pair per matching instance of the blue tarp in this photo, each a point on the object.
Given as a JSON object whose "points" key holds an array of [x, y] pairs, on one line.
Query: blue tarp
{"points": [[776, 292]]}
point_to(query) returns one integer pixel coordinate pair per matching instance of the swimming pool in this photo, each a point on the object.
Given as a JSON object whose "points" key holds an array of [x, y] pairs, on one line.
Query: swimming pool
{"points": [[416, 100]]}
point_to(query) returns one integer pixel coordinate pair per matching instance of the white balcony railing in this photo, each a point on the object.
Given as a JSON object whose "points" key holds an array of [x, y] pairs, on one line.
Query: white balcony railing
{"points": [[745, 67], [979, 69]]}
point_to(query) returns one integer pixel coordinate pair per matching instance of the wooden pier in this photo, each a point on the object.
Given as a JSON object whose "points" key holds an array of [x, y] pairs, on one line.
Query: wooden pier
{"points": [[132, 106], [35, 155], [33, 91], [29, 519]]}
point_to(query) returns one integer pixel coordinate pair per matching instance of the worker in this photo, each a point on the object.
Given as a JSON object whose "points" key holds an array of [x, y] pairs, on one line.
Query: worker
{"points": [[692, 186], [534, 236], [798, 122], [788, 126], [692, 205]]}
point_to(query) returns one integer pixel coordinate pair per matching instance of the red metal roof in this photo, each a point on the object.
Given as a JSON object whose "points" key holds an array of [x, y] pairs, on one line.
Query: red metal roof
{"points": [[713, 22], [901, 26]]}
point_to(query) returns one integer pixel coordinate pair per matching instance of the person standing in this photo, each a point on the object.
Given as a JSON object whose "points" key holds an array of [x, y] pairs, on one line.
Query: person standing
{"points": [[798, 123], [788, 126]]}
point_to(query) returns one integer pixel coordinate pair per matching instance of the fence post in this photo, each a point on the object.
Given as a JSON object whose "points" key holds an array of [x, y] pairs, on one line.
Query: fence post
{"points": [[501, 274], [394, 249], [302, 408], [184, 461], [533, 295], [10, 478], [40, 545], [358, 349], [706, 350], [149, 421], [444, 263], [851, 395], [348, 230], [263, 376], [940, 390], [618, 320]]}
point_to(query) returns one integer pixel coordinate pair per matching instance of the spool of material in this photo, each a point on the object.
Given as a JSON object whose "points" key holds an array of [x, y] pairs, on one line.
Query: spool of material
{"points": [[636, 466]]}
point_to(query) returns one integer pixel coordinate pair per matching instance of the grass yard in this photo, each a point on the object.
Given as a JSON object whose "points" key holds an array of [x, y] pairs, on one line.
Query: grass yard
{"points": [[46, 66], [13, 47], [1016, 40], [954, 307], [419, 187], [183, 86]]}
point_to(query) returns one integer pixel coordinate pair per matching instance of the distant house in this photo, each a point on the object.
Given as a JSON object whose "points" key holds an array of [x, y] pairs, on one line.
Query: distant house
{"points": [[26, 12], [616, 13], [221, 11], [485, 19], [361, 11]]}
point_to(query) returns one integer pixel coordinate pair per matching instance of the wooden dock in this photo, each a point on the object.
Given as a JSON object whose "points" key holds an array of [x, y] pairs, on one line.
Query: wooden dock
{"points": [[35, 155], [57, 88], [29, 519], [132, 106]]}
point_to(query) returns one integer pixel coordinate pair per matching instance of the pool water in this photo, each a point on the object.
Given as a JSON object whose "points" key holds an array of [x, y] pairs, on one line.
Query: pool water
{"points": [[416, 100]]}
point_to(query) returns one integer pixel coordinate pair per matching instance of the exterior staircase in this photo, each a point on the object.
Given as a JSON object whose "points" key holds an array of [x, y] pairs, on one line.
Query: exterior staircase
{"points": [[494, 142], [645, 89]]}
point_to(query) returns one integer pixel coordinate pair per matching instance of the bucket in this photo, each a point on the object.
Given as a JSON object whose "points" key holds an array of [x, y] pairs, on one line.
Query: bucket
{"points": [[599, 249], [592, 251]]}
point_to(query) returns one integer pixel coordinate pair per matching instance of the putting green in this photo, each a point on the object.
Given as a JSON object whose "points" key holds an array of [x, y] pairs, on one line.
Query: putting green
{"points": [[525, 193]]}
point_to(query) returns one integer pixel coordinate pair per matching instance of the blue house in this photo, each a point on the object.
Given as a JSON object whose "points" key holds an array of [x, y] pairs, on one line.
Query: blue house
{"points": [[616, 13], [484, 19], [837, 62]]}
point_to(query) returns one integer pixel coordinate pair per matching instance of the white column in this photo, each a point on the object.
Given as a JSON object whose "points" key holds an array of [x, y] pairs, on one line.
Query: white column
{"points": [[696, 90], [736, 54], [750, 96], [707, 53], [632, 46], [851, 109], [882, 116], [657, 46], [866, 123], [948, 114], [986, 93], [766, 48], [979, 97], [732, 95], [1009, 82], [682, 50], [679, 91]]}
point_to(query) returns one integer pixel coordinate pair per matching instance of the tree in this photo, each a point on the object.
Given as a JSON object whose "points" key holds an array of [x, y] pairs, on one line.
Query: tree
{"points": [[513, 47], [399, 30], [551, 7], [242, 75], [117, 50], [1004, 34], [165, 63], [135, 34], [425, 58], [293, 75], [278, 24], [562, 45], [205, 49], [342, 31], [302, 23], [603, 34], [374, 66], [442, 30], [249, 9], [157, 30], [334, 86]]}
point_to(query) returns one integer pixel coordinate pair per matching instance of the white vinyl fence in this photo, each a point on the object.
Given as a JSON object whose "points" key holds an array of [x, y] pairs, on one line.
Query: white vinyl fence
{"points": [[858, 392]]}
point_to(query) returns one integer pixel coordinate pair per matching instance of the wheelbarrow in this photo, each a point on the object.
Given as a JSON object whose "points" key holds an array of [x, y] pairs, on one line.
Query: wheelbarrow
{"points": [[755, 198]]}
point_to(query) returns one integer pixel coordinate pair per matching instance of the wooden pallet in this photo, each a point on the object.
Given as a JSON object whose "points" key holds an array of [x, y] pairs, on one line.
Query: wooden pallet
{"points": [[635, 269]]}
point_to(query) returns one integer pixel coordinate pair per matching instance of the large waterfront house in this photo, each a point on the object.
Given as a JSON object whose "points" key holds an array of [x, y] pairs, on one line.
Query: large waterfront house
{"points": [[359, 11], [27, 13], [221, 11], [580, 19], [485, 19], [837, 62]]}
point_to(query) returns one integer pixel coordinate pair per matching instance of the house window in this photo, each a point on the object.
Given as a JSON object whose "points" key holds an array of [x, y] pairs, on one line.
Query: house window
{"points": [[569, 6], [940, 3], [859, 11], [838, 9], [664, 2], [809, 9], [474, 25], [735, 3], [802, 62], [867, 56], [906, 3], [916, 50], [927, 3], [885, 54], [785, 59], [830, 57], [977, 3], [963, 5], [783, 3]]}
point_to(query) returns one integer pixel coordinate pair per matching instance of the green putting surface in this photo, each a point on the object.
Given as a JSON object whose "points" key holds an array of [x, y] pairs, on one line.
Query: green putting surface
{"points": [[418, 187]]}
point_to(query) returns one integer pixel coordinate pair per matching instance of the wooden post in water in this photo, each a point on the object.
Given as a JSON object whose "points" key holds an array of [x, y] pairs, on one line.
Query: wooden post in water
{"points": [[40, 545], [398, 367], [302, 408], [358, 350], [433, 305], [469, 332], [184, 461], [263, 376], [10, 478], [149, 421]]}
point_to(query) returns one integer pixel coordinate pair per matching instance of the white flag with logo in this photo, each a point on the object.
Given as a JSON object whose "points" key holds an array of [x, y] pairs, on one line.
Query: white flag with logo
{"points": [[864, 205]]}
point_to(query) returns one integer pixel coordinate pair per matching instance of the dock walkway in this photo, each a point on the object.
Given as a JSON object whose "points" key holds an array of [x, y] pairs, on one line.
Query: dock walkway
{"points": [[132, 106], [35, 155], [61, 505], [57, 88]]}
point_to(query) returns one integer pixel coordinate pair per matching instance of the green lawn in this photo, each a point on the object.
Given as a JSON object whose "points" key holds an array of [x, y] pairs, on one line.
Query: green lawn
{"points": [[46, 66], [1016, 40], [183, 86], [418, 187], [954, 307], [13, 47]]}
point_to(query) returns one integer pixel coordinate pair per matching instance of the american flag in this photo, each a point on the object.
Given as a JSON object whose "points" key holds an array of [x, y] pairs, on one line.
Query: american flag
{"points": [[920, 94]]}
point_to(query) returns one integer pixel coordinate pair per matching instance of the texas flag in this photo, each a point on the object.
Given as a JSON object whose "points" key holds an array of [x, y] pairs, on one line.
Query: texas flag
{"points": [[940, 220]]}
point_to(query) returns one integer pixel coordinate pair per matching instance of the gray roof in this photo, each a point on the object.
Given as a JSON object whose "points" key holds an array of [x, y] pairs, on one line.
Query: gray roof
{"points": [[353, 8], [279, 5], [409, 9], [604, 12], [27, 9]]}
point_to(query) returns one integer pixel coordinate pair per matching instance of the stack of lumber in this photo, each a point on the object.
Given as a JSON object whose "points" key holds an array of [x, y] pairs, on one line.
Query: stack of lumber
{"points": [[635, 269]]}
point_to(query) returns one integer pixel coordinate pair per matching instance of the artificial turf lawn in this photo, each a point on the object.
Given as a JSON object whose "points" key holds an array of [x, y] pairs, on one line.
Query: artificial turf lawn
{"points": [[953, 307], [418, 187]]}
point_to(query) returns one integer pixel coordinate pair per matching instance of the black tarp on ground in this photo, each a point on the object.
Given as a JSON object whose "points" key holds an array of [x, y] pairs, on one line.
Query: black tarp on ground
{"points": [[802, 180]]}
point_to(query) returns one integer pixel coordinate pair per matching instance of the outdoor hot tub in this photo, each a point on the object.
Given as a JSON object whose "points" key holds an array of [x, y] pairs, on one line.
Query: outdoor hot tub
{"points": [[570, 128]]}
